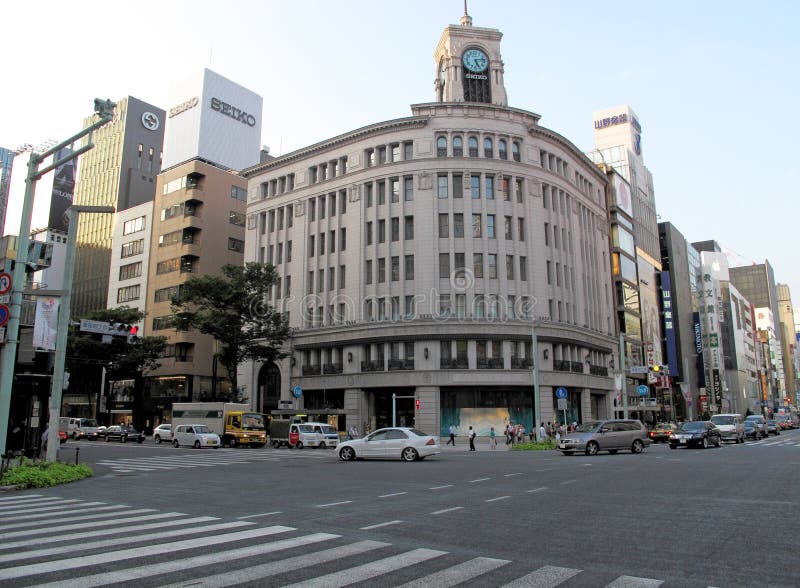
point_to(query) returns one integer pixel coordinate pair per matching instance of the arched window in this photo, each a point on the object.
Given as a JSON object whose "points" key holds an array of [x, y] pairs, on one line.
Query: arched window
{"points": [[488, 147], [473, 147], [502, 153], [515, 151], [458, 147], [441, 147]]}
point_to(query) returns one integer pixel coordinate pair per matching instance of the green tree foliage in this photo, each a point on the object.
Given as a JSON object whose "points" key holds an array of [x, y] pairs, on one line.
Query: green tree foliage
{"points": [[233, 309]]}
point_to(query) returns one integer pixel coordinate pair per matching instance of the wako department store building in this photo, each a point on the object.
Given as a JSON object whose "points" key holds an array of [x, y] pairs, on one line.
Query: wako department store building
{"points": [[418, 256]]}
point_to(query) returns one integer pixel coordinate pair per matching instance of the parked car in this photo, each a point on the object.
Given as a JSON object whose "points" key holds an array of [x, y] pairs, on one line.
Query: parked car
{"points": [[123, 433], [610, 435], [162, 432], [760, 423], [392, 443], [196, 436], [772, 427], [662, 431], [750, 431], [730, 425], [696, 434]]}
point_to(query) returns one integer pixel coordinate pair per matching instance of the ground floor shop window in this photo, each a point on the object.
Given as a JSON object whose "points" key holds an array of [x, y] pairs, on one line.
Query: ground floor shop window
{"points": [[485, 407]]}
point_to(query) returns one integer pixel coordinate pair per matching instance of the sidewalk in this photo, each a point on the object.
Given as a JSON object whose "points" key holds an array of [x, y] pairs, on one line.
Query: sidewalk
{"points": [[481, 444]]}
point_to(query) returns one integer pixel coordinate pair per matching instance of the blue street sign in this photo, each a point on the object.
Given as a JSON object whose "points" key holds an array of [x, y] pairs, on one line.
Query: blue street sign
{"points": [[643, 390], [561, 392], [297, 391]]}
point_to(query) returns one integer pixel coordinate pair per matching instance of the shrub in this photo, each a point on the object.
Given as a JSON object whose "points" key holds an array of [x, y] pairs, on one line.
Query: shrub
{"points": [[535, 445], [44, 473]]}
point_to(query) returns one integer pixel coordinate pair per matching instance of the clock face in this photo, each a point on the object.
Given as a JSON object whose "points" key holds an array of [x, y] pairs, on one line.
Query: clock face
{"points": [[475, 60]]}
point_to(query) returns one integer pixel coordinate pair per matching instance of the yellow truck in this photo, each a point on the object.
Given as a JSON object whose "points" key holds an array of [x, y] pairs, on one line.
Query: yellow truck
{"points": [[235, 424]]}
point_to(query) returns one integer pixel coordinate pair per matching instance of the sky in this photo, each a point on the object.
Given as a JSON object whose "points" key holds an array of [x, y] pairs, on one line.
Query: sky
{"points": [[713, 83]]}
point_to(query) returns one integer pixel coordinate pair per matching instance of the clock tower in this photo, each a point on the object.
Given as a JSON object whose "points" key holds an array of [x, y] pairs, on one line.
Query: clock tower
{"points": [[469, 67]]}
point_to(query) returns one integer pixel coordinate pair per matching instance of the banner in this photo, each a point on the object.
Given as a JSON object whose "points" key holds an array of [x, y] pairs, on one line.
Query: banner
{"points": [[45, 324]]}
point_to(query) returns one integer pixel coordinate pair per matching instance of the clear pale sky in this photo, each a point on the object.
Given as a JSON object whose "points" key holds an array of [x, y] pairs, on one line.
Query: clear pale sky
{"points": [[714, 83]]}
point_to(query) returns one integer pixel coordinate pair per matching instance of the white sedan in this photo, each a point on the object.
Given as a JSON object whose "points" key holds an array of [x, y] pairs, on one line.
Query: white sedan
{"points": [[392, 443], [196, 436]]}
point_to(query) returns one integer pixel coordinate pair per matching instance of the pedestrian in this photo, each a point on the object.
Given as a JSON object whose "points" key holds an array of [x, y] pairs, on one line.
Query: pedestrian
{"points": [[45, 436], [509, 434], [452, 440], [492, 440], [471, 438], [542, 433]]}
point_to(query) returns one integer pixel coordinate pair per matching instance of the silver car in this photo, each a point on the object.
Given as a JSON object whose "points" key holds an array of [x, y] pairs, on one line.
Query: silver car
{"points": [[610, 435]]}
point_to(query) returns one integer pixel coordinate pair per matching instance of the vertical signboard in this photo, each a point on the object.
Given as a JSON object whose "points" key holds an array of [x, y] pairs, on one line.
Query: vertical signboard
{"points": [[45, 326], [63, 192], [716, 387], [698, 349], [669, 323]]}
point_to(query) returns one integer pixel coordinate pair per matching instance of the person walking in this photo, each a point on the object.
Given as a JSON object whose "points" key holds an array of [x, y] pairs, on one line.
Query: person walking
{"points": [[492, 440], [471, 438], [542, 433], [452, 440]]}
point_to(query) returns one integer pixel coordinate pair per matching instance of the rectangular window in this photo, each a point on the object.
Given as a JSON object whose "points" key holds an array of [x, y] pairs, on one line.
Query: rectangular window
{"points": [[342, 238], [395, 268], [162, 322], [476, 226], [408, 150], [312, 207], [132, 248], [368, 195], [523, 268], [475, 186], [139, 157], [477, 264], [368, 272], [490, 226], [408, 230], [381, 231], [310, 283], [458, 225], [458, 261], [547, 234], [444, 305], [395, 187], [410, 313], [271, 221], [444, 266], [409, 267], [288, 251], [506, 188], [321, 244], [128, 293], [163, 267], [166, 294], [458, 186], [381, 270], [442, 189], [321, 207], [133, 226], [331, 278], [395, 151], [287, 286], [236, 245], [280, 218], [381, 192], [461, 312], [395, 228], [489, 184], [408, 189], [507, 230], [549, 271], [518, 189], [320, 280], [444, 226], [238, 193], [521, 229], [368, 233], [342, 201], [509, 267], [289, 216], [311, 248], [332, 242], [492, 266]]}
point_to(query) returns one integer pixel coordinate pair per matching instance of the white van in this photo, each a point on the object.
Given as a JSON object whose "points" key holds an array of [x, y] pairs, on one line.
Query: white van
{"points": [[301, 435], [71, 426], [731, 425]]}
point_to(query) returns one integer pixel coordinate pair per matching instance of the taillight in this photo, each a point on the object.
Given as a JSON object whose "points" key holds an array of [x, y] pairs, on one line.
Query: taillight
{"points": [[431, 441]]}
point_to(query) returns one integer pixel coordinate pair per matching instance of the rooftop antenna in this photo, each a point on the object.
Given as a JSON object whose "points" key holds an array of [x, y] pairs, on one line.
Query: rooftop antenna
{"points": [[466, 20]]}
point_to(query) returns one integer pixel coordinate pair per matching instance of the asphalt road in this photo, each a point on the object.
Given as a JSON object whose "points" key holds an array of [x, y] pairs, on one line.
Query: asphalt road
{"points": [[718, 517]]}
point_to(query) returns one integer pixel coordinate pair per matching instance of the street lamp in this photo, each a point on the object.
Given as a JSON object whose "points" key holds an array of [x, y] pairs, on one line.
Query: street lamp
{"points": [[105, 109]]}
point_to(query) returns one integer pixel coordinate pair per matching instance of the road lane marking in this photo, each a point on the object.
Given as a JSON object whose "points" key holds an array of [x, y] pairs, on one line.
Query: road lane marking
{"points": [[479, 480], [392, 494], [386, 524], [111, 521], [537, 489], [496, 499], [371, 570], [544, 577], [440, 487], [634, 582], [63, 515], [263, 514], [21, 498], [438, 512], [455, 575], [65, 505], [334, 503], [514, 474]]}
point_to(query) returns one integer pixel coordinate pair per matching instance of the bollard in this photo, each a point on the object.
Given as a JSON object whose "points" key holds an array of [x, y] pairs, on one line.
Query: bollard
{"points": [[77, 451]]}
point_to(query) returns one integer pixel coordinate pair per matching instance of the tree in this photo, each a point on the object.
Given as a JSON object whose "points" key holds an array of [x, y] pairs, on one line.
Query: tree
{"points": [[233, 309], [125, 358]]}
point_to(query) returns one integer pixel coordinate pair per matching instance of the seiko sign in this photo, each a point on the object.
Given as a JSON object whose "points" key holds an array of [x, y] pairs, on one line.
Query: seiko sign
{"points": [[233, 112], [471, 76], [183, 106]]}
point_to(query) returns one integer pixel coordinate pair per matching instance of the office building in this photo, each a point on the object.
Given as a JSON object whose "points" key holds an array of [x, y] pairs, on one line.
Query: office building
{"points": [[788, 340], [6, 161]]}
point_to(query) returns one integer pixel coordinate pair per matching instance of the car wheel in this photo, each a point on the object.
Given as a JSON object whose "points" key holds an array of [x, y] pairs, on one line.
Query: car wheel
{"points": [[409, 454], [637, 446], [232, 442], [197, 444], [157, 439], [705, 442], [124, 439], [175, 444], [567, 452], [347, 454], [592, 448], [299, 445], [673, 446], [613, 451], [276, 444], [322, 445]]}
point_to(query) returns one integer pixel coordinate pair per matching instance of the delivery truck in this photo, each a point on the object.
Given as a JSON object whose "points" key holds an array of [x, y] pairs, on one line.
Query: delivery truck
{"points": [[235, 423]]}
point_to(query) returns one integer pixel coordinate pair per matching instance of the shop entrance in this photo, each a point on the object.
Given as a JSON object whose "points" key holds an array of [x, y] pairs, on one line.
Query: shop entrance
{"points": [[380, 408]]}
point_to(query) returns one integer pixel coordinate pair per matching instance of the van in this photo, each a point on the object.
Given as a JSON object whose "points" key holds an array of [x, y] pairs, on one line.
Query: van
{"points": [[301, 435], [609, 435], [71, 426], [761, 425], [731, 425], [87, 429]]}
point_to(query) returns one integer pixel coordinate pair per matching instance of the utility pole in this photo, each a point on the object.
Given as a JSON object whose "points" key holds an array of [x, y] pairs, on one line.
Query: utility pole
{"points": [[8, 354]]}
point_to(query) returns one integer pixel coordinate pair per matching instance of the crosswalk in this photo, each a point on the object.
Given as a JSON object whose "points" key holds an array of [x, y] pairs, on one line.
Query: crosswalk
{"points": [[775, 442], [44, 543], [207, 458]]}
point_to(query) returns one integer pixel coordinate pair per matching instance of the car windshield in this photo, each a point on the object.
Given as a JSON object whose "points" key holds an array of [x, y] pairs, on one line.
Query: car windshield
{"points": [[722, 420], [328, 430], [306, 428], [755, 419], [587, 427], [253, 422], [202, 429], [693, 426], [89, 423]]}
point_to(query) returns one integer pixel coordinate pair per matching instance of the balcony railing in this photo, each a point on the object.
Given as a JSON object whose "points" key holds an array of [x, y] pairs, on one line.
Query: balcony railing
{"points": [[521, 363], [495, 363], [598, 370], [332, 368], [560, 365], [576, 366], [372, 366], [401, 364], [453, 364], [311, 370]]}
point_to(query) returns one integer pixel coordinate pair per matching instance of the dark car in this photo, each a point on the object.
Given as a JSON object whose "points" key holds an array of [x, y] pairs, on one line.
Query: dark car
{"points": [[772, 427], [662, 431], [696, 434], [750, 431], [123, 433]]}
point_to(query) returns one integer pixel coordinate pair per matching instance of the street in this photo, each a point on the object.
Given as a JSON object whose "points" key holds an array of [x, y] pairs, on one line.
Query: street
{"points": [[156, 515]]}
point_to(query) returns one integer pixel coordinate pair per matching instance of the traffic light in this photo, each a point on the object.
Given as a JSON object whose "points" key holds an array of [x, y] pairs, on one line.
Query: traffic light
{"points": [[417, 403], [656, 369]]}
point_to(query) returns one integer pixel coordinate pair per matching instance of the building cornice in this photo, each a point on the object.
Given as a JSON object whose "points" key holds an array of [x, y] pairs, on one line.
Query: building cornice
{"points": [[546, 133]]}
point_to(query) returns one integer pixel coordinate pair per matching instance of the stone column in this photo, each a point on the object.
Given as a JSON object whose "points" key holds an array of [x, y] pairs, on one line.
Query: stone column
{"points": [[355, 408], [586, 405], [546, 407], [429, 415]]}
